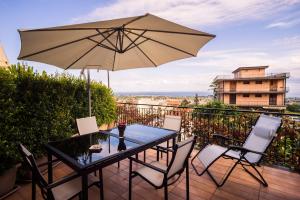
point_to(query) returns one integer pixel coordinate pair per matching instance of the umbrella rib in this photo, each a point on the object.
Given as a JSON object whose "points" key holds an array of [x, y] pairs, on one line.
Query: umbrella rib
{"points": [[57, 46], [115, 54], [135, 19], [138, 44], [88, 50], [174, 32], [106, 38], [142, 52], [81, 56], [101, 45], [134, 41], [164, 44]]}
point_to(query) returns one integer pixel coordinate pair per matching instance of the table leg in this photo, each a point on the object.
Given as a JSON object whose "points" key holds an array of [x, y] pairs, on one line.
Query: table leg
{"points": [[101, 184], [84, 187], [50, 169]]}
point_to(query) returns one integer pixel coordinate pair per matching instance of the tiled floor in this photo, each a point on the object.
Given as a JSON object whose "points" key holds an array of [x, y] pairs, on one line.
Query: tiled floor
{"points": [[282, 184]]}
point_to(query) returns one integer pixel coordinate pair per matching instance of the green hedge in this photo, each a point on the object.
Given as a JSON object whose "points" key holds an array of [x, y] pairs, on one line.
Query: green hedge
{"points": [[36, 108]]}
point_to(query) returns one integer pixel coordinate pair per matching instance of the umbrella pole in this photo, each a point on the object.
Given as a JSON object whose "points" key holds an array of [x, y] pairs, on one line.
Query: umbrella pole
{"points": [[108, 79], [89, 92]]}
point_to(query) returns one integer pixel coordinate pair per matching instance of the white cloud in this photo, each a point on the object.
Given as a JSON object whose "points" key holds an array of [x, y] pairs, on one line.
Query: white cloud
{"points": [[196, 74], [190, 12], [288, 42], [289, 20]]}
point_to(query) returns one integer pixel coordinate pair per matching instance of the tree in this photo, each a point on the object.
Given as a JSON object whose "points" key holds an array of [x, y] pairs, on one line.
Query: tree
{"points": [[184, 103], [293, 107], [196, 100]]}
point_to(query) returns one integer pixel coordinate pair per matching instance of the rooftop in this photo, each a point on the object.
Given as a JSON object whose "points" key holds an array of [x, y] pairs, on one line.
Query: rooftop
{"points": [[249, 68], [282, 184]]}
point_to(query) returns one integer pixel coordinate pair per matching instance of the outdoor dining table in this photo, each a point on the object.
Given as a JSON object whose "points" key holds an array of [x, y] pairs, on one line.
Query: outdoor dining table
{"points": [[75, 152]]}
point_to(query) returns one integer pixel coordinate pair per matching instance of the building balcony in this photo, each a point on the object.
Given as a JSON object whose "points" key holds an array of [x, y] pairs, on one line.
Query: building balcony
{"points": [[257, 104], [260, 90], [283, 182], [270, 76]]}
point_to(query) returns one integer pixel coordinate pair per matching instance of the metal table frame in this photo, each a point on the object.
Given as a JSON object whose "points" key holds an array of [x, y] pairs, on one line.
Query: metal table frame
{"points": [[84, 171]]}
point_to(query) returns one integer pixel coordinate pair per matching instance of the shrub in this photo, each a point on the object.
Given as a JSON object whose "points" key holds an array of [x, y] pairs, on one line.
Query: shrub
{"points": [[37, 108]]}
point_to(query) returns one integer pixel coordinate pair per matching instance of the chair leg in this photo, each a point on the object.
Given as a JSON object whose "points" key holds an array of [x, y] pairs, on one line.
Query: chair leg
{"points": [[101, 184], [166, 189], [118, 164], [195, 168], [130, 181], [261, 180], [157, 154], [226, 177], [187, 181], [33, 189], [144, 156]]}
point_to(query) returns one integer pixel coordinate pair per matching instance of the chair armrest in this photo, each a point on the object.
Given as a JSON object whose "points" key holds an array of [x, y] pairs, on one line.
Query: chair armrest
{"points": [[245, 150], [62, 181], [148, 165]]}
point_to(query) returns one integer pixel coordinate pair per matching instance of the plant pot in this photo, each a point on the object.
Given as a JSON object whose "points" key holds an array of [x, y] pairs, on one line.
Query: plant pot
{"points": [[8, 180]]}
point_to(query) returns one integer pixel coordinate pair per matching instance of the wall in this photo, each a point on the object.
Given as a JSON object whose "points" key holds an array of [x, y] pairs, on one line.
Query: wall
{"points": [[250, 73]]}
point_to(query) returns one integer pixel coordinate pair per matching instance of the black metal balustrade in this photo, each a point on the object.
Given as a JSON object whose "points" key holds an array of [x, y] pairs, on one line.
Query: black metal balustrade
{"points": [[236, 124]]}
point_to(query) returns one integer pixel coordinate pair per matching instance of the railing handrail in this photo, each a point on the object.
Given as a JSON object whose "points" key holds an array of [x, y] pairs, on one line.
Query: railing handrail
{"points": [[224, 110]]}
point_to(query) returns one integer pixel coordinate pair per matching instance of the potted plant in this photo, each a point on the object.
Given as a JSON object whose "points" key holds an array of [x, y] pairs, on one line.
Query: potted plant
{"points": [[8, 168]]}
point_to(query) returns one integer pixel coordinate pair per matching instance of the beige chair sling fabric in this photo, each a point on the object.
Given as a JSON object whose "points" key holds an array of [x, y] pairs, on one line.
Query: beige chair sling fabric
{"points": [[87, 125]]}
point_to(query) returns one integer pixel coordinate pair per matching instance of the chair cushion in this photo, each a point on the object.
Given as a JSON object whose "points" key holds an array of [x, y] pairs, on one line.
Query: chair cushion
{"points": [[71, 188], [263, 132], [155, 177]]}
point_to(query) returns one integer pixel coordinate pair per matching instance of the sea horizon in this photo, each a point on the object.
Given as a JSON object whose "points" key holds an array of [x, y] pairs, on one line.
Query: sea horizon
{"points": [[166, 93]]}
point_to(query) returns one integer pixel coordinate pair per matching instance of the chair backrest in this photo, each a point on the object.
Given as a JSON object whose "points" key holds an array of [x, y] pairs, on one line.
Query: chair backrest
{"points": [[87, 125], [36, 174], [172, 122], [261, 136], [182, 152]]}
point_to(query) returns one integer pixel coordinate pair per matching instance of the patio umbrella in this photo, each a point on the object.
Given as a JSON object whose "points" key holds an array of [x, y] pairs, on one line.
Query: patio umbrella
{"points": [[119, 44]]}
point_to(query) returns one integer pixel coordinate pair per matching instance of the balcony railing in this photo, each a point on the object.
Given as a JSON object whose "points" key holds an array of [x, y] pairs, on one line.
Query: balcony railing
{"points": [[257, 103], [285, 150], [266, 76], [252, 90]]}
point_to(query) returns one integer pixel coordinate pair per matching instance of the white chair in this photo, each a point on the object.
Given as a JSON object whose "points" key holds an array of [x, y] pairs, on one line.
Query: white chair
{"points": [[250, 154], [173, 123], [161, 176], [64, 188], [87, 125]]}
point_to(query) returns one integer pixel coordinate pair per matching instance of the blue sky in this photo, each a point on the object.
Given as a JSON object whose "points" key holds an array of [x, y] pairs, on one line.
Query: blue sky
{"points": [[249, 33]]}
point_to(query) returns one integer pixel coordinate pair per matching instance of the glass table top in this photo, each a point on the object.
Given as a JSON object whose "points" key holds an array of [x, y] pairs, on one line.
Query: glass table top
{"points": [[142, 134], [78, 147]]}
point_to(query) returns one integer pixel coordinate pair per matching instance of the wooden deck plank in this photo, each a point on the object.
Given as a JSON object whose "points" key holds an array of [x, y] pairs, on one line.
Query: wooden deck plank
{"points": [[282, 184]]}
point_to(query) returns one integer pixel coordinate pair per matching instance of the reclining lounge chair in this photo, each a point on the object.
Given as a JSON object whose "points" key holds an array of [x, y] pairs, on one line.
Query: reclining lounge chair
{"points": [[250, 154]]}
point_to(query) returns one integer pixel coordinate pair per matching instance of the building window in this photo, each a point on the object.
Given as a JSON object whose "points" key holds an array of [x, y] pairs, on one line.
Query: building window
{"points": [[246, 82], [258, 82], [246, 95], [258, 95]]}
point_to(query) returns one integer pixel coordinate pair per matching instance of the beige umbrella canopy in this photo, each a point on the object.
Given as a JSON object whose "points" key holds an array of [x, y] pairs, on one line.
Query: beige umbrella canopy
{"points": [[126, 43], [134, 42]]}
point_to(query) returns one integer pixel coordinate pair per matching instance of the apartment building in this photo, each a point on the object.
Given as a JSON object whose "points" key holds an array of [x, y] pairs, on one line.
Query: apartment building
{"points": [[252, 87]]}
